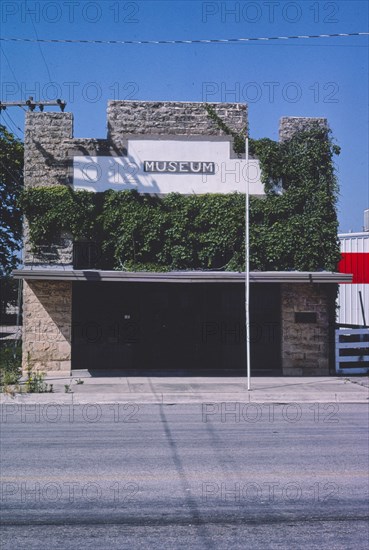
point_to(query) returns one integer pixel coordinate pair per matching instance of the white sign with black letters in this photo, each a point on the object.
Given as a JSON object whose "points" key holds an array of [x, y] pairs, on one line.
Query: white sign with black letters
{"points": [[179, 167], [161, 166]]}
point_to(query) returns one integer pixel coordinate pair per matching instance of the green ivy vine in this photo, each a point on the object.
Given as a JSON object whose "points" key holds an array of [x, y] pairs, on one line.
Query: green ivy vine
{"points": [[295, 230], [238, 137]]}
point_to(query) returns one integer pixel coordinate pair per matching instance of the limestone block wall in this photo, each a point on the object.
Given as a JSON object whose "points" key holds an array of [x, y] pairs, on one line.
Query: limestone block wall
{"points": [[307, 347], [47, 326], [290, 125]]}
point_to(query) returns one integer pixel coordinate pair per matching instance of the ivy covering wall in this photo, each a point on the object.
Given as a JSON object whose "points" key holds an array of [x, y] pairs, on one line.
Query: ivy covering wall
{"points": [[293, 230]]}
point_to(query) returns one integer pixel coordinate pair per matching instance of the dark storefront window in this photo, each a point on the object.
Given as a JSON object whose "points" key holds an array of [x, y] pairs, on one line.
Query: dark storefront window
{"points": [[174, 329]]}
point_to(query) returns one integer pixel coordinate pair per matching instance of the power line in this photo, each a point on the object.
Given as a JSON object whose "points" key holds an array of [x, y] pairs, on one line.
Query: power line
{"points": [[12, 174], [8, 115], [9, 65], [40, 49], [208, 41], [12, 126]]}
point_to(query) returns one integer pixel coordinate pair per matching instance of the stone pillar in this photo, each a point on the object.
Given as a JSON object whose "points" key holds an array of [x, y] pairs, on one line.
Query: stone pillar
{"points": [[307, 340], [46, 164], [47, 315], [47, 326], [45, 149]]}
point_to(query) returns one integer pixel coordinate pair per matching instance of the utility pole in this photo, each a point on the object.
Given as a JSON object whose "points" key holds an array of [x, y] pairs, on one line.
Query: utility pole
{"points": [[31, 104]]}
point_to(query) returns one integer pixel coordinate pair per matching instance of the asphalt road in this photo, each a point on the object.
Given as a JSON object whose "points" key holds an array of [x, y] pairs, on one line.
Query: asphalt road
{"points": [[160, 476]]}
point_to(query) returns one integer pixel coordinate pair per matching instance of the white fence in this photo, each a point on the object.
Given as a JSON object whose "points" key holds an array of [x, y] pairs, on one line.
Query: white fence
{"points": [[352, 351], [349, 310]]}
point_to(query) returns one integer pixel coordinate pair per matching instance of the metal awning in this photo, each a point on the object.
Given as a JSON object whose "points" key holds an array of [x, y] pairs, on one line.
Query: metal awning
{"points": [[181, 276]]}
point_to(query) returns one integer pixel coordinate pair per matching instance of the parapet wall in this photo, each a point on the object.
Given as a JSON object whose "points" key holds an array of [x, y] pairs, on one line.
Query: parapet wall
{"points": [[127, 118], [290, 125]]}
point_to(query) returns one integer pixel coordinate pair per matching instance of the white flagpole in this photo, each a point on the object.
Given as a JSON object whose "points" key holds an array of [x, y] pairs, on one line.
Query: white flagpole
{"points": [[247, 264]]}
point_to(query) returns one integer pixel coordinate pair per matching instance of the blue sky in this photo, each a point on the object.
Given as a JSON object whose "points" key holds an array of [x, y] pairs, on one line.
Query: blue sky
{"points": [[316, 77]]}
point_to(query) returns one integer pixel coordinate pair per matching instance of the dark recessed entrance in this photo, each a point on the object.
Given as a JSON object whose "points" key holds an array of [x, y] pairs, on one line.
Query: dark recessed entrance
{"points": [[174, 328]]}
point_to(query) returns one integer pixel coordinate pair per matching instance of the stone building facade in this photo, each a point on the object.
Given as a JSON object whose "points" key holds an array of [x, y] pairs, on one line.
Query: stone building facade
{"points": [[306, 347]]}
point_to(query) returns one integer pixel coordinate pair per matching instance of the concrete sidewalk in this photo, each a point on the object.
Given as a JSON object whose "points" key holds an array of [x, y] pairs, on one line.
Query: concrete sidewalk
{"points": [[176, 390]]}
